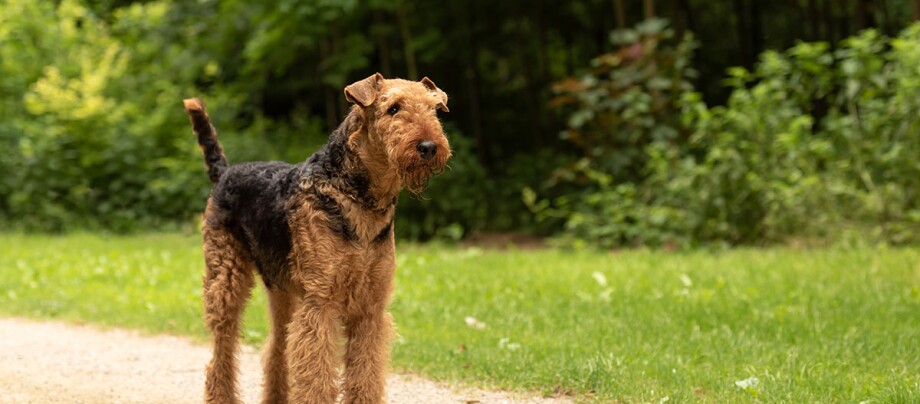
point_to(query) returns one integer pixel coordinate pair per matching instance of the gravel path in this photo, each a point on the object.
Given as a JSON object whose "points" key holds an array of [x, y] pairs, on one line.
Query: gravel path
{"points": [[48, 362]]}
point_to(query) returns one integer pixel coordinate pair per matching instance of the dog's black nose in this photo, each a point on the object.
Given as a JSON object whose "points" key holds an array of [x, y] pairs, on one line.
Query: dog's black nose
{"points": [[426, 149]]}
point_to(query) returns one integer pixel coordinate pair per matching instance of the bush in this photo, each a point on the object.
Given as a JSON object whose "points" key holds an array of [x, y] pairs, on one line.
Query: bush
{"points": [[90, 112], [96, 133], [810, 143], [629, 102], [783, 170], [97, 140]]}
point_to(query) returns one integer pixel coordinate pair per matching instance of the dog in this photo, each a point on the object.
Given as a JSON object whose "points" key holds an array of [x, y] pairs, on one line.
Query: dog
{"points": [[320, 235]]}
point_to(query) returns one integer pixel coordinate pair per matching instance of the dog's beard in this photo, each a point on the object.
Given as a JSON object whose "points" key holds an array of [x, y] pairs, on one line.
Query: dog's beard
{"points": [[415, 176], [414, 171]]}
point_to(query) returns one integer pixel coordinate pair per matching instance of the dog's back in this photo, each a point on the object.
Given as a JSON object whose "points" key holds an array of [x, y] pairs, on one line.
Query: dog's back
{"points": [[250, 200]]}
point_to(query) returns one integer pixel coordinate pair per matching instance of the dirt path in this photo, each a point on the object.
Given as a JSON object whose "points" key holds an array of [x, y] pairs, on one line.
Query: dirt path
{"points": [[47, 362]]}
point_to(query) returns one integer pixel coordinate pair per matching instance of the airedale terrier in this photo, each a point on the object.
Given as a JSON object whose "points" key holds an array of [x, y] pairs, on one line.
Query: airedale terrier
{"points": [[320, 234]]}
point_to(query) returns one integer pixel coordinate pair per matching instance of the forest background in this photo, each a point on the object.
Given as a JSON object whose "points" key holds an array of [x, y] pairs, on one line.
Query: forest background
{"points": [[604, 123]]}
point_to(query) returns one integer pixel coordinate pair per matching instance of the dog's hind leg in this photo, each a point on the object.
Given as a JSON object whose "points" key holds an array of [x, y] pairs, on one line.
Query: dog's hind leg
{"points": [[280, 305], [227, 286]]}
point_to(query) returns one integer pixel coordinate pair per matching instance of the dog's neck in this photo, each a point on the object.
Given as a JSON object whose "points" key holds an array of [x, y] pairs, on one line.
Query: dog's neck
{"points": [[365, 174], [370, 151]]}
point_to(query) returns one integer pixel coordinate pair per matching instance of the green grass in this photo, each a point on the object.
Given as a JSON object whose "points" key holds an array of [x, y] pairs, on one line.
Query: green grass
{"points": [[824, 325]]}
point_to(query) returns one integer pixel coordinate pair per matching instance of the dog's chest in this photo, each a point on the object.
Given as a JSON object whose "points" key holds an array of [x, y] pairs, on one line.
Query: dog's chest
{"points": [[350, 220], [368, 226]]}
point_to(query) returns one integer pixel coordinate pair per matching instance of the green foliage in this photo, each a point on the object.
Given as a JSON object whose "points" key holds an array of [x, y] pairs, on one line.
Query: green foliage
{"points": [[810, 143], [628, 100], [813, 141], [636, 326], [90, 111], [625, 114], [95, 136], [92, 119], [756, 175], [275, 36]]}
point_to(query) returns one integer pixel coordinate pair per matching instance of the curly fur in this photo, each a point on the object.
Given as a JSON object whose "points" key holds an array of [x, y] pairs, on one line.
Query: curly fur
{"points": [[320, 235]]}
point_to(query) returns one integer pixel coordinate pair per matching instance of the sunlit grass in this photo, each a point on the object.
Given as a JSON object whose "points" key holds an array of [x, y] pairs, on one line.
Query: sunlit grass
{"points": [[770, 325]]}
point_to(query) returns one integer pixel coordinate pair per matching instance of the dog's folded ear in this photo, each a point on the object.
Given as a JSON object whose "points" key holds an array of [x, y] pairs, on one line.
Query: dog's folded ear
{"points": [[364, 92], [441, 94]]}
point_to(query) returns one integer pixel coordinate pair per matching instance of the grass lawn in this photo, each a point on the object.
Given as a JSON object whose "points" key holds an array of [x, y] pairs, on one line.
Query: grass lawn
{"points": [[824, 325]]}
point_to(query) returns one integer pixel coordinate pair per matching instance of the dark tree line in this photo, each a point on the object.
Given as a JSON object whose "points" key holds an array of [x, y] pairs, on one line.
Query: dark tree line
{"points": [[277, 68], [498, 59]]}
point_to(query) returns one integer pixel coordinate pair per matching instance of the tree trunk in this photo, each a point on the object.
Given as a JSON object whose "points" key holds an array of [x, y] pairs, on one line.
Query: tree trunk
{"points": [[649, 9], [325, 51], [531, 100], [916, 4], [540, 78], [743, 33], [337, 44], [887, 26], [756, 34], [542, 47], [680, 10], [472, 74], [814, 21], [845, 24], [383, 46], [828, 12], [603, 29], [688, 15], [408, 49], [621, 17], [864, 17]]}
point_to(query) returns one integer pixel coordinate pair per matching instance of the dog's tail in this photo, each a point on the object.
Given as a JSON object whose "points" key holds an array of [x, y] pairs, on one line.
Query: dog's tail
{"points": [[207, 138]]}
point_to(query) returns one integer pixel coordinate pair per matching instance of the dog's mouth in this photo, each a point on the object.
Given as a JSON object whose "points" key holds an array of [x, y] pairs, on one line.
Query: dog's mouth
{"points": [[416, 175]]}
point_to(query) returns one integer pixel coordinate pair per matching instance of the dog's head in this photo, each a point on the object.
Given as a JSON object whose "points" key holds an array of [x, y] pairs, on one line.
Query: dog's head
{"points": [[402, 122]]}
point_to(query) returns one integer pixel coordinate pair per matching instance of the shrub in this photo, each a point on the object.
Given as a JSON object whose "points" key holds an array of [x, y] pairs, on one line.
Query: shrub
{"points": [[95, 137], [91, 114], [627, 103], [810, 143]]}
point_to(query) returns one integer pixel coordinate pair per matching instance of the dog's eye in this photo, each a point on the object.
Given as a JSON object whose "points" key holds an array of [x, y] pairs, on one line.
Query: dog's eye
{"points": [[393, 110]]}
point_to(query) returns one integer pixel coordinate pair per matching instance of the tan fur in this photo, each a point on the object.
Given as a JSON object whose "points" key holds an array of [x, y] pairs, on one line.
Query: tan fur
{"points": [[331, 331], [281, 305], [227, 286], [399, 138]]}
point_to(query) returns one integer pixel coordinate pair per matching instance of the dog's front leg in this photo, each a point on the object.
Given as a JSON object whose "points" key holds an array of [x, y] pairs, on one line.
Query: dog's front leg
{"points": [[369, 328], [366, 358], [312, 349]]}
